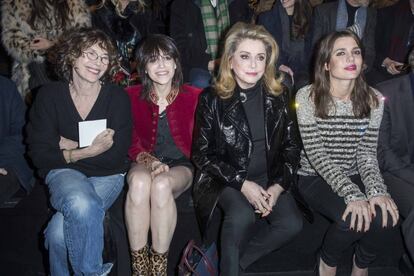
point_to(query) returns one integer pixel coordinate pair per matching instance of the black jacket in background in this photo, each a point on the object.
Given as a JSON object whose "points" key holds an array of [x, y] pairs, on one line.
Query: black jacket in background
{"points": [[124, 29], [222, 146], [396, 144], [187, 29], [393, 27]]}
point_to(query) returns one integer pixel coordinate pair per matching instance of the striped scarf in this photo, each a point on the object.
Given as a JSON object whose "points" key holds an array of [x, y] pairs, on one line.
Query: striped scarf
{"points": [[215, 20], [359, 22]]}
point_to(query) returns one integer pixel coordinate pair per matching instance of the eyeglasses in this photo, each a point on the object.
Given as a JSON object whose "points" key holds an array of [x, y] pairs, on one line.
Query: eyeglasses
{"points": [[92, 56]]}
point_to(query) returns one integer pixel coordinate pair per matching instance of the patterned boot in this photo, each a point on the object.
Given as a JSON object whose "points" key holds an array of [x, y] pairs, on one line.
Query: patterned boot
{"points": [[140, 262], [158, 263]]}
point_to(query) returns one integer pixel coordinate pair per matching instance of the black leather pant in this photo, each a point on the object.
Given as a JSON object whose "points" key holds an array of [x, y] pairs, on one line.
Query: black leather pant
{"points": [[245, 237], [339, 236]]}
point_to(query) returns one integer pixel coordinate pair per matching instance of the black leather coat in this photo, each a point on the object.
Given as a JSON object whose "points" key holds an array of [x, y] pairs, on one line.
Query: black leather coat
{"points": [[222, 146]]}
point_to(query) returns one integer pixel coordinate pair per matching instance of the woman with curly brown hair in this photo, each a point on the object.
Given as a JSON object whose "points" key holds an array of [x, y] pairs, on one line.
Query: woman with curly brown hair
{"points": [[30, 28], [83, 180]]}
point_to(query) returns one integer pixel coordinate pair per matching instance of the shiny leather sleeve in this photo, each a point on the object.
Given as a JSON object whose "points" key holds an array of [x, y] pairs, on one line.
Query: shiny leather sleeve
{"points": [[291, 141], [291, 147], [205, 151]]}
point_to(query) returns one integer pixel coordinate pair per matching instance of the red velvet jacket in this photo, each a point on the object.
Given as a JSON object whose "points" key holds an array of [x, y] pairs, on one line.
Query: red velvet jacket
{"points": [[180, 116]]}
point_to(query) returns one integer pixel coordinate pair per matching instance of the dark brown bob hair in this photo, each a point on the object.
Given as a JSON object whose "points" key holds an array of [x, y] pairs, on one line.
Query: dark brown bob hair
{"points": [[362, 96], [151, 48], [71, 46]]}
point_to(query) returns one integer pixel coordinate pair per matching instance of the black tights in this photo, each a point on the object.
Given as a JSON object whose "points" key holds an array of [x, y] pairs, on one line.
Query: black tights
{"points": [[339, 236], [240, 244]]}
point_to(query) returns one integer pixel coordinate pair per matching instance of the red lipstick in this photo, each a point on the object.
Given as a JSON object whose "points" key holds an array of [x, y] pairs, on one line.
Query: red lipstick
{"points": [[351, 67]]}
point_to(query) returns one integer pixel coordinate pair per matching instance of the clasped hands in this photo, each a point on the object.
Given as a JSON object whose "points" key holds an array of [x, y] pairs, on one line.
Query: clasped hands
{"points": [[262, 200], [363, 211], [158, 167], [102, 142]]}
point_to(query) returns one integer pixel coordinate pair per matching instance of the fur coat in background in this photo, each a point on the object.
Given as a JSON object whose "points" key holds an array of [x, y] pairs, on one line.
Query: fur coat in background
{"points": [[17, 34]]}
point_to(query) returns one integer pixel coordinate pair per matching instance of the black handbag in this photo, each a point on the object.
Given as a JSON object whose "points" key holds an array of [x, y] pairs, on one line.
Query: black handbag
{"points": [[199, 261]]}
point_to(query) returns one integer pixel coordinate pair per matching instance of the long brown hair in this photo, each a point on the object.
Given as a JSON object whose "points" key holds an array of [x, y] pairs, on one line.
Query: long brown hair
{"points": [[301, 19], [362, 96], [41, 11], [226, 83]]}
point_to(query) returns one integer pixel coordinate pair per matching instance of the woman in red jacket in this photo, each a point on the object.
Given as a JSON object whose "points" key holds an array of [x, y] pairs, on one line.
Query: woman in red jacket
{"points": [[163, 114]]}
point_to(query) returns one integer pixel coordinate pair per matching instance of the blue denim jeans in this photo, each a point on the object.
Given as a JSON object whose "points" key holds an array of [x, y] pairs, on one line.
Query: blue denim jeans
{"points": [[75, 232]]}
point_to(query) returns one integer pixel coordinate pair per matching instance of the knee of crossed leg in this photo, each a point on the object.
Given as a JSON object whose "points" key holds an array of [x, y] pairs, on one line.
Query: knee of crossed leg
{"points": [[83, 208]]}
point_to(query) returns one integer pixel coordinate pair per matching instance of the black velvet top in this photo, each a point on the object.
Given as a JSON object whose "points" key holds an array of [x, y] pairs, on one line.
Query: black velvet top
{"points": [[165, 148], [252, 99]]}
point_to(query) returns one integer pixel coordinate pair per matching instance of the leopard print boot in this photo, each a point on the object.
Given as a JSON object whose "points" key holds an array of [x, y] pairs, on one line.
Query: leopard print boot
{"points": [[140, 262], [158, 263]]}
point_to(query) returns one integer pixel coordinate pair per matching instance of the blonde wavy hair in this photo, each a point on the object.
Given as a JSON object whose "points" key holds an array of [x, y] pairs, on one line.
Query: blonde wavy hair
{"points": [[140, 6], [225, 82]]}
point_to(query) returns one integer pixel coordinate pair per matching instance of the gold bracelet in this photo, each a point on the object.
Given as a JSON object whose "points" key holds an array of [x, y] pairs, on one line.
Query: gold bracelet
{"points": [[70, 156]]}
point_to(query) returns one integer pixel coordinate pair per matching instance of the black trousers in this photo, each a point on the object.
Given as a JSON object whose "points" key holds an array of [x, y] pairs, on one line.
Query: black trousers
{"points": [[339, 236], [402, 192], [241, 241]]}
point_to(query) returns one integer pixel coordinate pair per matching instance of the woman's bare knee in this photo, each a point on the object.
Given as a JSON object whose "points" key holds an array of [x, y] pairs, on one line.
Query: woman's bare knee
{"points": [[139, 187], [161, 191]]}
